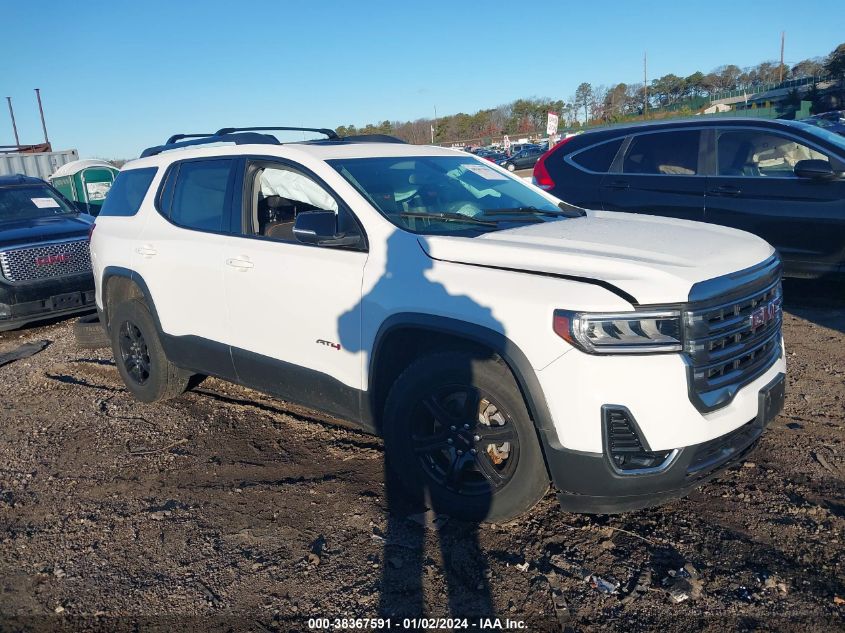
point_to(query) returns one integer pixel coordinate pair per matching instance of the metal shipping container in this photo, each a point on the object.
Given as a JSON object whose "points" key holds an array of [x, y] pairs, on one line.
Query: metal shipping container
{"points": [[40, 165]]}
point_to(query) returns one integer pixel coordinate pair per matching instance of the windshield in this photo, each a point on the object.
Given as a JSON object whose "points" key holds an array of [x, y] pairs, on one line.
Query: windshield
{"points": [[445, 194], [29, 202]]}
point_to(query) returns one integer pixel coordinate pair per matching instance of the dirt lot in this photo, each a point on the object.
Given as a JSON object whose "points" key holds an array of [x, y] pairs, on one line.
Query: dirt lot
{"points": [[226, 510]]}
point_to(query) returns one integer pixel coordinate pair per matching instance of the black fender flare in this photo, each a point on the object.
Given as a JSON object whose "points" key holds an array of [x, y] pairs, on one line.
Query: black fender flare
{"points": [[118, 271], [513, 356]]}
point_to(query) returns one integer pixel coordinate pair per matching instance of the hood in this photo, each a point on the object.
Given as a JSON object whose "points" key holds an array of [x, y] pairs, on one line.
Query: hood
{"points": [[654, 259], [53, 227]]}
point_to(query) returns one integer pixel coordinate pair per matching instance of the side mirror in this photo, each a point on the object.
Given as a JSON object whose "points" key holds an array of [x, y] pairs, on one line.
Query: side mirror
{"points": [[320, 229], [814, 168]]}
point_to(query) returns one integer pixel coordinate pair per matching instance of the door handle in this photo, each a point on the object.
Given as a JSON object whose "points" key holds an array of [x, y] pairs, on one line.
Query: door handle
{"points": [[618, 185], [241, 264], [146, 251], [725, 190]]}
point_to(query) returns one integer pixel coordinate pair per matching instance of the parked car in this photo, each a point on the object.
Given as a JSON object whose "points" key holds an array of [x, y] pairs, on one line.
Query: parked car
{"points": [[523, 159], [833, 121], [781, 180], [45, 267], [495, 338], [495, 157]]}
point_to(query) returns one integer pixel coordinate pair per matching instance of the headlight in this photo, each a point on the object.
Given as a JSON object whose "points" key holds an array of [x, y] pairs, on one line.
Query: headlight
{"points": [[620, 333]]}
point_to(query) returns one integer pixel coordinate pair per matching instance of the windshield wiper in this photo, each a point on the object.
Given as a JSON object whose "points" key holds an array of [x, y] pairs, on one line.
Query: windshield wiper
{"points": [[454, 217], [566, 211]]}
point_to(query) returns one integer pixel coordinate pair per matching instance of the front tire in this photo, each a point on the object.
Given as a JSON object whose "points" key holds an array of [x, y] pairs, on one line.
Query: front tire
{"points": [[456, 425], [511, 167], [139, 357]]}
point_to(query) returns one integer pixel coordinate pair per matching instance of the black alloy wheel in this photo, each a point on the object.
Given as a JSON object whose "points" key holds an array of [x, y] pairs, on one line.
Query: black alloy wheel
{"points": [[134, 352], [465, 440]]}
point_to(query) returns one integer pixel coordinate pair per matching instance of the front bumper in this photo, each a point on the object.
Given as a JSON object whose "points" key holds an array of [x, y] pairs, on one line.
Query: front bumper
{"points": [[589, 483], [44, 299]]}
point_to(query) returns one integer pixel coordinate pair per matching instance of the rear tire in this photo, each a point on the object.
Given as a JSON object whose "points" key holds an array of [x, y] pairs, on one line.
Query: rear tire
{"points": [[139, 357], [440, 441], [90, 333]]}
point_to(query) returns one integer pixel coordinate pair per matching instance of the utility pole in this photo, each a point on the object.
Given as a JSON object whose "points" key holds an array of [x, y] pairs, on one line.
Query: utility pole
{"points": [[645, 84], [14, 125], [780, 68], [41, 110], [434, 126]]}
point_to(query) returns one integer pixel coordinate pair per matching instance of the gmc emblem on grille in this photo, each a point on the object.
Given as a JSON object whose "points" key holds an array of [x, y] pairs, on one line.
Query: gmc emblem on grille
{"points": [[47, 260], [766, 313]]}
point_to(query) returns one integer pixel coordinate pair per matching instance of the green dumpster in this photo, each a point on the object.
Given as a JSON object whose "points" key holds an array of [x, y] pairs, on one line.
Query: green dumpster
{"points": [[85, 182]]}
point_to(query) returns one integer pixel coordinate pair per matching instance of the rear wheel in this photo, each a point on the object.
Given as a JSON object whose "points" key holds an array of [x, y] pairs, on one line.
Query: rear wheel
{"points": [[456, 425], [140, 359]]}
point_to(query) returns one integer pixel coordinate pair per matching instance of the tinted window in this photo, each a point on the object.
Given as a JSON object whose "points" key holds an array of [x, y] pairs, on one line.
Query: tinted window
{"points": [[200, 194], [673, 153], [128, 191], [599, 157], [752, 153]]}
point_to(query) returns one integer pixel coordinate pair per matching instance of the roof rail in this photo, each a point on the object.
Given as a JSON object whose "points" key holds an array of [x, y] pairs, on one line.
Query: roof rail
{"points": [[250, 136], [371, 138], [331, 134], [179, 137], [247, 138]]}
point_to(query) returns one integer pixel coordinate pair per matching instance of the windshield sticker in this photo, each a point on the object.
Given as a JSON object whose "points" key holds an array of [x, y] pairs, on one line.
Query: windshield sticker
{"points": [[45, 203], [485, 172]]}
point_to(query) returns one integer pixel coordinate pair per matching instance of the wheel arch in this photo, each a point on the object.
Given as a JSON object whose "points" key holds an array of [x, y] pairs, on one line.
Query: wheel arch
{"points": [[120, 284], [399, 329]]}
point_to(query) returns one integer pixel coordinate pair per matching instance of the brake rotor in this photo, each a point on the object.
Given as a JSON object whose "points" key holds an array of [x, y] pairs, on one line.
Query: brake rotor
{"points": [[489, 415]]}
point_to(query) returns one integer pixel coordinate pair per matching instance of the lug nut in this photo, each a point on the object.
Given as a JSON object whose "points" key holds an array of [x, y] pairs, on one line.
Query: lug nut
{"points": [[460, 452], [466, 426], [473, 451], [450, 440], [453, 428]]}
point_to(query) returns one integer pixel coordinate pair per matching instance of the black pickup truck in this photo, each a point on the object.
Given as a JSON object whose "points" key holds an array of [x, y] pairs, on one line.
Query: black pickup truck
{"points": [[45, 265]]}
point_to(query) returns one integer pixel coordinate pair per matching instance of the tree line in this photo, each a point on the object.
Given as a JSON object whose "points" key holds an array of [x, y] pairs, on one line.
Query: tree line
{"points": [[591, 105]]}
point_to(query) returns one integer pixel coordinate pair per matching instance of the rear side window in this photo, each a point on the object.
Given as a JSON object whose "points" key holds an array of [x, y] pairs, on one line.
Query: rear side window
{"points": [[201, 194], [128, 191], [668, 153], [599, 157]]}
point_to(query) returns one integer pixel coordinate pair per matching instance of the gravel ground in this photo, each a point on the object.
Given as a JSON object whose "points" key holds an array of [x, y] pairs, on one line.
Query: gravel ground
{"points": [[227, 510]]}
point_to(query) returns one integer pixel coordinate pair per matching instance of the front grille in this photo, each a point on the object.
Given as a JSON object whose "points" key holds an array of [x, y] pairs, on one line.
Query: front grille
{"points": [[731, 342], [45, 261]]}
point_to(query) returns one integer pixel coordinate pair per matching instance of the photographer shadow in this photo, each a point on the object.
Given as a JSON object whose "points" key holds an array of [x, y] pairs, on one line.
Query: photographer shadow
{"points": [[417, 505]]}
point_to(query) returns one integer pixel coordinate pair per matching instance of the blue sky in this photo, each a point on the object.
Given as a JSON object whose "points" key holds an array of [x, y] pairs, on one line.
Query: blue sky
{"points": [[118, 76]]}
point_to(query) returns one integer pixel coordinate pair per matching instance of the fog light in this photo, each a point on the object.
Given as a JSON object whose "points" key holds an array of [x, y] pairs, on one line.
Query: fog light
{"points": [[5, 311]]}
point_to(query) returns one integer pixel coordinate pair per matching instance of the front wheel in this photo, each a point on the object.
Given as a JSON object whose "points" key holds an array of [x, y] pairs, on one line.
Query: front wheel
{"points": [[511, 167], [456, 426]]}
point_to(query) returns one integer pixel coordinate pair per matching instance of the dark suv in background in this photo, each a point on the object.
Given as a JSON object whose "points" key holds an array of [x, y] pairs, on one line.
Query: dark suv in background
{"points": [[525, 158], [781, 180], [45, 265]]}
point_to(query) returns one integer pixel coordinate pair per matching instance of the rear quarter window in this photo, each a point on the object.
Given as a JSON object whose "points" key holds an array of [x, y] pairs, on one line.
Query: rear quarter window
{"points": [[128, 191], [598, 157]]}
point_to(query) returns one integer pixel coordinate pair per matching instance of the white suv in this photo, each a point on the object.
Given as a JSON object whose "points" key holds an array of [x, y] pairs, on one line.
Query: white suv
{"points": [[495, 337]]}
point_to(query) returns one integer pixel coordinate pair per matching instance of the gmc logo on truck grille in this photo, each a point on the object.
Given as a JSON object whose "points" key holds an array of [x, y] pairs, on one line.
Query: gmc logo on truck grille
{"points": [[766, 313], [48, 260]]}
